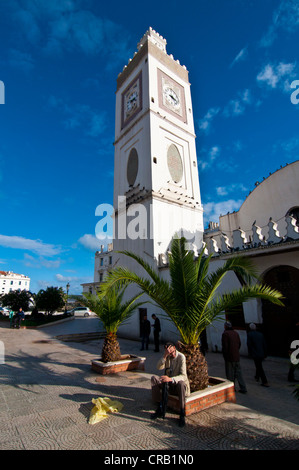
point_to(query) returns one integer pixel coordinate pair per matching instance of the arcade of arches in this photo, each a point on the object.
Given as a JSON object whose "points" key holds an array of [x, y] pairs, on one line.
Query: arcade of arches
{"points": [[279, 323]]}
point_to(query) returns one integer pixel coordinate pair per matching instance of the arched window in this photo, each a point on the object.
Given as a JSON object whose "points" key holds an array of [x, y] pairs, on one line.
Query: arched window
{"points": [[132, 167]]}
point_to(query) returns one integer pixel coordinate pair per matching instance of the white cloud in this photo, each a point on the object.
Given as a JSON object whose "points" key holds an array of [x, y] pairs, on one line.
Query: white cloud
{"points": [[234, 107], [62, 278], [75, 282], [57, 27], [288, 148], [80, 115], [277, 76], [210, 157], [32, 262], [237, 106], [205, 123], [91, 242], [224, 190], [213, 210], [285, 17], [240, 56], [35, 246]]}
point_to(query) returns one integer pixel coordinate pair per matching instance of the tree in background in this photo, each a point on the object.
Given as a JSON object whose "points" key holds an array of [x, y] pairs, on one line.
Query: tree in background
{"points": [[50, 299], [17, 299]]}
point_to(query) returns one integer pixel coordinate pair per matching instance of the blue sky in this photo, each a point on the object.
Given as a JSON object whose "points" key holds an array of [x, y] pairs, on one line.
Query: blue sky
{"points": [[59, 60]]}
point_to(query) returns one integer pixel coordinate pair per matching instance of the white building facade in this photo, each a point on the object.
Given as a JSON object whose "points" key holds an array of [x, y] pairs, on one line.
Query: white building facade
{"points": [[102, 264], [10, 281]]}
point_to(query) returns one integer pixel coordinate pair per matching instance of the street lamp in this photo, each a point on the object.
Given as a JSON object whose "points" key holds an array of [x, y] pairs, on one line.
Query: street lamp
{"points": [[67, 293]]}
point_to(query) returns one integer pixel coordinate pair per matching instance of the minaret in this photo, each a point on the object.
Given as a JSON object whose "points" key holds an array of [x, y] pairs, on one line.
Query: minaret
{"points": [[156, 185]]}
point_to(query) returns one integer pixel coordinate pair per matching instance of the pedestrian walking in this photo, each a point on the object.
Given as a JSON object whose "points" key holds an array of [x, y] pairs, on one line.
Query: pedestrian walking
{"points": [[231, 344], [145, 332], [157, 329], [257, 350]]}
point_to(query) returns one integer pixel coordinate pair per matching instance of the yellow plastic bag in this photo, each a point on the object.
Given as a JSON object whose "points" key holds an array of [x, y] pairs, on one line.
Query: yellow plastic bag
{"points": [[102, 407]]}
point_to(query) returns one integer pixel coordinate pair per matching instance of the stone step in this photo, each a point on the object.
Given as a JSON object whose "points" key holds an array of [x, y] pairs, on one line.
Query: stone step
{"points": [[81, 337]]}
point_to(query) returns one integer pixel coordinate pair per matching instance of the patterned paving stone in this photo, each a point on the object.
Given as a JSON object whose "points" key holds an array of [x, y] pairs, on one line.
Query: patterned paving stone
{"points": [[45, 401], [12, 443], [38, 439]]}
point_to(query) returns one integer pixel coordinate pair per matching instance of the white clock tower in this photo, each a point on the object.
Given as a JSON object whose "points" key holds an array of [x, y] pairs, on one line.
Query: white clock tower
{"points": [[156, 186]]}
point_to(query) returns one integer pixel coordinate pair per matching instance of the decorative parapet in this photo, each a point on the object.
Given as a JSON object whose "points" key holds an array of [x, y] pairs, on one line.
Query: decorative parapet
{"points": [[257, 237], [220, 243], [225, 245], [274, 236], [239, 239]]}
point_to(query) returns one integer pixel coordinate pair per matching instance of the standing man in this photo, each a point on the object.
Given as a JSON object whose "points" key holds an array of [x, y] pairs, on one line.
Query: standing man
{"points": [[157, 329], [257, 350], [145, 332], [175, 382], [20, 316], [231, 344], [11, 315]]}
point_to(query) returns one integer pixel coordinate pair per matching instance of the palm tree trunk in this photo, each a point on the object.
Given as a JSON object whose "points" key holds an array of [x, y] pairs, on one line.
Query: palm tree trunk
{"points": [[111, 348], [197, 367]]}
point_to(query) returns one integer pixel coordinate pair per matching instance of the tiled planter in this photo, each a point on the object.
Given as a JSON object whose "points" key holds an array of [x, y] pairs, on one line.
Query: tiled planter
{"points": [[219, 391], [127, 362]]}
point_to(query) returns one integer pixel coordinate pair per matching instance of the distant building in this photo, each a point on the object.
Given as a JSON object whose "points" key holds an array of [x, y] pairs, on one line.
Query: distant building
{"points": [[10, 281], [103, 263]]}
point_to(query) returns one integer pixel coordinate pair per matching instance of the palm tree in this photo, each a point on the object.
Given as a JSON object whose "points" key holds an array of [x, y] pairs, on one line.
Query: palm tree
{"points": [[191, 299], [112, 311]]}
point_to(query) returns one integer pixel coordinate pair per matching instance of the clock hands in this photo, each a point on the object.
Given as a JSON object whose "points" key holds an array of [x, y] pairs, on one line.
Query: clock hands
{"points": [[171, 96], [131, 101]]}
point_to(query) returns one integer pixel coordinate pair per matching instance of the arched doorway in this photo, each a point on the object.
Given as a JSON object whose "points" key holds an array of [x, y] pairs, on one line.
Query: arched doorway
{"points": [[279, 322]]}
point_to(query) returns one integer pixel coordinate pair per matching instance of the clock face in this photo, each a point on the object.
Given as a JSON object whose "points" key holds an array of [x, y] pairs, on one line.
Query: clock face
{"points": [[171, 96], [131, 100]]}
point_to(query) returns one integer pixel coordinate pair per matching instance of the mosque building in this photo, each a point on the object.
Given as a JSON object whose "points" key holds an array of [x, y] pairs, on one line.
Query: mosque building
{"points": [[157, 195]]}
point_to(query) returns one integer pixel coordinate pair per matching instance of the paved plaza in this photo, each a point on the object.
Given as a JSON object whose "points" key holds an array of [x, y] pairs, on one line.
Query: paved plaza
{"points": [[47, 387]]}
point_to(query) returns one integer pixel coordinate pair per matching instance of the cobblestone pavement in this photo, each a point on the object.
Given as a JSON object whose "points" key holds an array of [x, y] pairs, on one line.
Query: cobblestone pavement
{"points": [[46, 388]]}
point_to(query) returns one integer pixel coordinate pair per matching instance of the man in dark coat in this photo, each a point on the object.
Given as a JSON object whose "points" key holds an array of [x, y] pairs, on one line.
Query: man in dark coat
{"points": [[257, 350], [20, 316], [231, 344], [145, 332], [157, 329]]}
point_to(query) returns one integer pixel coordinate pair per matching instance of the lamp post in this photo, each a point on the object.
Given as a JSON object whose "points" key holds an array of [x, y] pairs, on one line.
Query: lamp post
{"points": [[67, 294]]}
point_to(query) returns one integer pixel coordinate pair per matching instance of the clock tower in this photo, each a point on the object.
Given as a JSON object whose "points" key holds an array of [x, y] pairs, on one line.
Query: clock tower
{"points": [[156, 186]]}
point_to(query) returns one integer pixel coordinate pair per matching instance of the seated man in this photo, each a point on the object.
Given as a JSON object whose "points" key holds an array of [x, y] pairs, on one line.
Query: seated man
{"points": [[20, 316], [175, 381]]}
